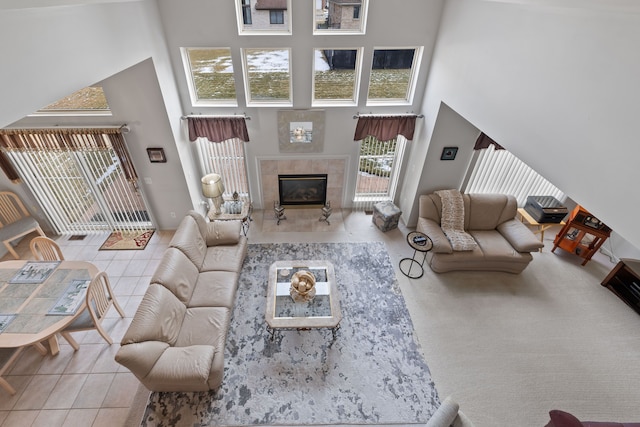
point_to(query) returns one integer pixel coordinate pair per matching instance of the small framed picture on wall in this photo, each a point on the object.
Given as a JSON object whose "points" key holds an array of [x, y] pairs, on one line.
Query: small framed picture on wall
{"points": [[156, 155], [449, 153]]}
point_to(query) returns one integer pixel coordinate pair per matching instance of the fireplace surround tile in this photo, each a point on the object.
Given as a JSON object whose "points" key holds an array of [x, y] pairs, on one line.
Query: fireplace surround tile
{"points": [[334, 168]]}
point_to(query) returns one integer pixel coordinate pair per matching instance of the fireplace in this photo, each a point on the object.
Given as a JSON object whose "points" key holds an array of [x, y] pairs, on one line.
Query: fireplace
{"points": [[303, 190]]}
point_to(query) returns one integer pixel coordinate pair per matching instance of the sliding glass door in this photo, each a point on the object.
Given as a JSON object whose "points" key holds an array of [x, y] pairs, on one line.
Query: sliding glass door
{"points": [[83, 190]]}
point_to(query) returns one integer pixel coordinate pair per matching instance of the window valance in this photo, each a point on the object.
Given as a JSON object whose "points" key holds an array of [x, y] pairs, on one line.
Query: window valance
{"points": [[385, 128], [484, 141], [73, 139], [217, 129]]}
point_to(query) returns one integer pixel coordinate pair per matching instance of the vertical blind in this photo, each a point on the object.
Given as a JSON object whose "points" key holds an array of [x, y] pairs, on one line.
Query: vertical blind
{"points": [[226, 158], [499, 171], [83, 178], [378, 171]]}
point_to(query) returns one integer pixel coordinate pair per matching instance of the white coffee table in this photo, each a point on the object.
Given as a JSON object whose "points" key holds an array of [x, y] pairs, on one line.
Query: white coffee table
{"points": [[323, 311]]}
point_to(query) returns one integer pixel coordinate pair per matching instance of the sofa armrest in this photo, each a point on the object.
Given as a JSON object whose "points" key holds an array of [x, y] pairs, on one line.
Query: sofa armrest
{"points": [[441, 244], [519, 236], [223, 232], [141, 357], [182, 369]]}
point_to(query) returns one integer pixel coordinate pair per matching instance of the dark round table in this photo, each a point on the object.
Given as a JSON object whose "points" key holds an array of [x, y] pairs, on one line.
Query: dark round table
{"points": [[420, 242]]}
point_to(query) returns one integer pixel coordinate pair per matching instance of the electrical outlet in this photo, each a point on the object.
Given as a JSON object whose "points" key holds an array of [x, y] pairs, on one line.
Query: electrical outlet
{"points": [[173, 214]]}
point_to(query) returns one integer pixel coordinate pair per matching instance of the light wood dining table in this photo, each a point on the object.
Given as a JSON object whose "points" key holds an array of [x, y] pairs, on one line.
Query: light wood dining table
{"points": [[30, 306]]}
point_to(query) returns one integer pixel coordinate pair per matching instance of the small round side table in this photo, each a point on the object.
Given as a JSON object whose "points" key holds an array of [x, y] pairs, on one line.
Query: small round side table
{"points": [[420, 242]]}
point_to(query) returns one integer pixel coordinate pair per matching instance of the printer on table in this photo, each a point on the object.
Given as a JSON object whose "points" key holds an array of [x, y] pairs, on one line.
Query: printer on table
{"points": [[545, 209]]}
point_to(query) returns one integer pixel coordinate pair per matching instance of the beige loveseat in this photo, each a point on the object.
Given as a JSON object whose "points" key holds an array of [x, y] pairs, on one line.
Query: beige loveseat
{"points": [[177, 337], [503, 242]]}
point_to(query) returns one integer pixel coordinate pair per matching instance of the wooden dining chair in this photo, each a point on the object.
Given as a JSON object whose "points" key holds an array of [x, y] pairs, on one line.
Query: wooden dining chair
{"points": [[15, 221], [7, 358], [45, 249], [99, 299]]}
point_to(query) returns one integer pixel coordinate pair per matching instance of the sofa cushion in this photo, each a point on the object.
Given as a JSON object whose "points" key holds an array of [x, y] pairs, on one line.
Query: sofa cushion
{"points": [[177, 273], [215, 289], [495, 247], [188, 239], [223, 233], [206, 326], [159, 317], [200, 221], [225, 257], [485, 211]]}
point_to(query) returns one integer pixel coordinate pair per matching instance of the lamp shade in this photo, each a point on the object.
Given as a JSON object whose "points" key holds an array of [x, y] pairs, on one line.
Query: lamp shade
{"points": [[212, 185]]}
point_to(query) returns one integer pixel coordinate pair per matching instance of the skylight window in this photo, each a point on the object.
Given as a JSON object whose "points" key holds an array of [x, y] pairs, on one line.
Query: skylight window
{"points": [[210, 72], [267, 76], [90, 100]]}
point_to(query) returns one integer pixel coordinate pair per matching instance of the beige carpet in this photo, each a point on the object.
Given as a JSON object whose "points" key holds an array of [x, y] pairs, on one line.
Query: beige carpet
{"points": [[511, 347]]}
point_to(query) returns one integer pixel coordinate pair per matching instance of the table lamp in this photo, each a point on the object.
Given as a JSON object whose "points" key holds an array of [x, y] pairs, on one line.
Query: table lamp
{"points": [[213, 188]]}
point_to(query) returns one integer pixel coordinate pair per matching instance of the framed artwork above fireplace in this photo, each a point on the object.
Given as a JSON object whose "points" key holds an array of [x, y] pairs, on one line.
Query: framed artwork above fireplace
{"points": [[301, 131]]}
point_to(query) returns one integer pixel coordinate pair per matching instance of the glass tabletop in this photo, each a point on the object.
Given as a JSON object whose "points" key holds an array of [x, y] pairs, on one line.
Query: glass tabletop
{"points": [[285, 306], [322, 311]]}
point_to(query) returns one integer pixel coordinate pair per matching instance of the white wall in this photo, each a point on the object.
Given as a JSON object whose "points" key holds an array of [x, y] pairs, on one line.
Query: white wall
{"points": [[132, 49], [59, 50], [557, 86], [390, 24]]}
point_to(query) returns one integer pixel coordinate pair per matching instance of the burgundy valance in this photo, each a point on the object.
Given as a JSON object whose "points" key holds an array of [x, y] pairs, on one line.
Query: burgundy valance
{"points": [[64, 139], [385, 128], [484, 141], [217, 129]]}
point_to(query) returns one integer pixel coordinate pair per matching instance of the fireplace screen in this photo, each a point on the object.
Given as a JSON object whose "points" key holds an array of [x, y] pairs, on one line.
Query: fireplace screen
{"points": [[302, 190]]}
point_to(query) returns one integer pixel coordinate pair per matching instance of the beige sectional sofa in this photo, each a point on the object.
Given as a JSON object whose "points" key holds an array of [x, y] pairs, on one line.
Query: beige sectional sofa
{"points": [[503, 242], [177, 337]]}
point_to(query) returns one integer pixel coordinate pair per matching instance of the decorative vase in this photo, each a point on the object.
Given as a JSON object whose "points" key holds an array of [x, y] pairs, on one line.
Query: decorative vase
{"points": [[303, 286]]}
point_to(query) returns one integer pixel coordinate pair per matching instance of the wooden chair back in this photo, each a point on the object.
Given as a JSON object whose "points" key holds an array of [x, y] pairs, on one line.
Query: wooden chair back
{"points": [[15, 220], [99, 299], [45, 249]]}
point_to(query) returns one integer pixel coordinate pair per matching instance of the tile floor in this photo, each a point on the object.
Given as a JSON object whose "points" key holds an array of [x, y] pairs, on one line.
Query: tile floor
{"points": [[87, 387]]}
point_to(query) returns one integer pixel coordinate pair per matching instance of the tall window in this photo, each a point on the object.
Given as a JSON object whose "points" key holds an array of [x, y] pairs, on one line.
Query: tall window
{"points": [[263, 17], [378, 171], [393, 75], [81, 179], [211, 79], [336, 76], [226, 158], [267, 76], [340, 17]]}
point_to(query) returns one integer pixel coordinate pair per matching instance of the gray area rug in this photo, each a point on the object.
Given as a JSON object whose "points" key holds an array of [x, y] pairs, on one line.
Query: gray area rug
{"points": [[372, 373]]}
